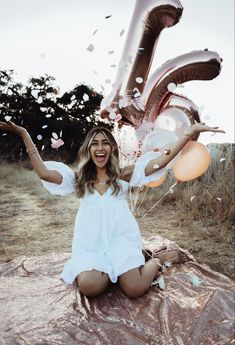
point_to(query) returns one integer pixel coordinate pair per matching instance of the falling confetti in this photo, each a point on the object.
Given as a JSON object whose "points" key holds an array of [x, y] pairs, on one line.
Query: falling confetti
{"points": [[171, 190], [61, 133], [111, 51], [73, 97], [108, 16], [102, 88], [118, 117], [43, 146], [156, 166], [54, 135], [113, 66], [171, 87], [44, 126], [107, 81], [219, 199], [90, 48], [7, 118], [43, 109], [39, 137], [85, 97], [139, 80], [56, 143], [192, 197], [222, 159], [112, 115], [48, 115], [140, 49], [95, 32], [34, 93], [39, 100], [122, 103], [122, 32], [95, 72]]}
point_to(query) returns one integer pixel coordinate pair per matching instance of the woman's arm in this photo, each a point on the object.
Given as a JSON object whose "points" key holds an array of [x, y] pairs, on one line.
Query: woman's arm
{"points": [[36, 161], [160, 162]]}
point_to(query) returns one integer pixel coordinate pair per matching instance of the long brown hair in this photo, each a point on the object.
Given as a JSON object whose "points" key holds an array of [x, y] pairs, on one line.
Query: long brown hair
{"points": [[86, 173]]}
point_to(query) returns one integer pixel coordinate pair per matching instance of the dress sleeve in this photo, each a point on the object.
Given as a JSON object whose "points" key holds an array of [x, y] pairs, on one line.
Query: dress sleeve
{"points": [[138, 178], [68, 183]]}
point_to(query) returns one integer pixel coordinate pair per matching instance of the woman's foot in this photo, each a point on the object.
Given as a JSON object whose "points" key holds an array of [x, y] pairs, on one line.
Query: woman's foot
{"points": [[172, 256]]}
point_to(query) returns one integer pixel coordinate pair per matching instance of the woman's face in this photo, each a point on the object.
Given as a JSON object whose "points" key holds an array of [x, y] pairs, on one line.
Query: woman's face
{"points": [[100, 150]]}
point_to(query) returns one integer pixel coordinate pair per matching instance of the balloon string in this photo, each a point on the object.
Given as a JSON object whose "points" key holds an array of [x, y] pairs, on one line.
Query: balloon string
{"points": [[169, 191], [143, 198]]}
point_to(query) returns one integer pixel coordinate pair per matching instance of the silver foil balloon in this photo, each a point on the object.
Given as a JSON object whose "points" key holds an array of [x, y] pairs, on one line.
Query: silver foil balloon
{"points": [[150, 17], [133, 95]]}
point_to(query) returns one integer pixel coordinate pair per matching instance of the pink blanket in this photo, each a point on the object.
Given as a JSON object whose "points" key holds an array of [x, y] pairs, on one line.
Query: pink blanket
{"points": [[196, 307]]}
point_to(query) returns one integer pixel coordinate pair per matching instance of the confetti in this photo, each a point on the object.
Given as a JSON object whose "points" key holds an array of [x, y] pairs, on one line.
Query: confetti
{"points": [[73, 97], [43, 109], [7, 118], [113, 66], [171, 87], [192, 197], [54, 135], [122, 32], [48, 115], [57, 143], [112, 115], [118, 117], [111, 51], [43, 146], [122, 103], [4, 134], [167, 264], [156, 166], [108, 16], [160, 282], [90, 48], [61, 133], [222, 159], [44, 126], [171, 190], [39, 137], [95, 32], [39, 100], [34, 93], [95, 72], [140, 48], [219, 199], [107, 81], [196, 281], [139, 80], [85, 97]]}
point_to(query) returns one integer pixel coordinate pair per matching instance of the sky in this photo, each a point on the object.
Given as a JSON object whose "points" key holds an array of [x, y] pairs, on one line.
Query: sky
{"points": [[52, 36]]}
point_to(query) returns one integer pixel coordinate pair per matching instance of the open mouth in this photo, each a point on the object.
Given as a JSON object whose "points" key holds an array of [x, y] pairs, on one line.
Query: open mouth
{"points": [[100, 157]]}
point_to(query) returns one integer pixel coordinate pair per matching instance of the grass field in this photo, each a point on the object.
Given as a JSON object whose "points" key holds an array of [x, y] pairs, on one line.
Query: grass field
{"points": [[199, 216]]}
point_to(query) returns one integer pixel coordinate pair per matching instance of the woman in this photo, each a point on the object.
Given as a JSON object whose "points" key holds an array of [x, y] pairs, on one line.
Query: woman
{"points": [[107, 243]]}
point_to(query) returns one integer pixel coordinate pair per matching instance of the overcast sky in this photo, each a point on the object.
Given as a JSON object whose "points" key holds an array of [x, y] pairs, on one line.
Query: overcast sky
{"points": [[52, 36]]}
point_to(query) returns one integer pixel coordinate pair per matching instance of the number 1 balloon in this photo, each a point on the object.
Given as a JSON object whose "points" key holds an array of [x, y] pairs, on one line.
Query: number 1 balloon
{"points": [[135, 97]]}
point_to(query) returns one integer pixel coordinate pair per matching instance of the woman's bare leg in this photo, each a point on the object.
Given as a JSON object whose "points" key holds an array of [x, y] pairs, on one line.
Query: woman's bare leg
{"points": [[93, 283], [136, 282]]}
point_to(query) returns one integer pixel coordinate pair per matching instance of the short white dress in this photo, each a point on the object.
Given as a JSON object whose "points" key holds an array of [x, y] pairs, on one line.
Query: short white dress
{"points": [[106, 235]]}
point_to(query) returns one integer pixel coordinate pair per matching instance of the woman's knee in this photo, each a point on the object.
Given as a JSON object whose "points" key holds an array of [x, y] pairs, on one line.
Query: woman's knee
{"points": [[92, 283], [131, 288]]}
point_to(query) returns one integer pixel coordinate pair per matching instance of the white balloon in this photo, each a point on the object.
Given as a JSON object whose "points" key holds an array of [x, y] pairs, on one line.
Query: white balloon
{"points": [[159, 138], [174, 120]]}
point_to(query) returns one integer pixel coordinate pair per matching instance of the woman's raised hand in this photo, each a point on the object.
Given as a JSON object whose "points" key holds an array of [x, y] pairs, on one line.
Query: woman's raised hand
{"points": [[9, 126], [202, 127]]}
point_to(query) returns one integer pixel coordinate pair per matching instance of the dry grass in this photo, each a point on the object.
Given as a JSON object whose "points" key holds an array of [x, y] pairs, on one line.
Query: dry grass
{"points": [[34, 222]]}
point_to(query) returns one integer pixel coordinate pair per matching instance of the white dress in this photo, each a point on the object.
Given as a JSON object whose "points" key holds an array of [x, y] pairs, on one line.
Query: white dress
{"points": [[106, 235]]}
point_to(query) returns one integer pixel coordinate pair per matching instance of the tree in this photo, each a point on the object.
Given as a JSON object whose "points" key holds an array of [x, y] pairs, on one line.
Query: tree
{"points": [[47, 116]]}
